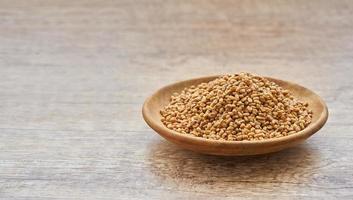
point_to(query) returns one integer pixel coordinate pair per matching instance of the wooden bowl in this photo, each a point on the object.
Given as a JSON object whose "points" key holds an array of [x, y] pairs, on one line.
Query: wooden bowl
{"points": [[153, 105]]}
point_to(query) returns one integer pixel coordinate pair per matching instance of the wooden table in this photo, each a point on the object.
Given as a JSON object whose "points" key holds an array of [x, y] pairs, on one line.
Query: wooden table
{"points": [[74, 75]]}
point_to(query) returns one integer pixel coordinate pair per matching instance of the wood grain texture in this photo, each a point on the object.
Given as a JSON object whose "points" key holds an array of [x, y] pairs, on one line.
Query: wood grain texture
{"points": [[74, 75]]}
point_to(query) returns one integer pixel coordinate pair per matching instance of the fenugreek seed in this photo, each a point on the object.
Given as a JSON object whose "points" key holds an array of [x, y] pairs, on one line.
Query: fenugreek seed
{"points": [[291, 132], [296, 127], [260, 118], [260, 135], [172, 119], [302, 125], [240, 137]]}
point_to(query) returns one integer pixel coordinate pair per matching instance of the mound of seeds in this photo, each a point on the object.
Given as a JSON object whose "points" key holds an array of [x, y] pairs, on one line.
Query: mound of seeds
{"points": [[236, 107]]}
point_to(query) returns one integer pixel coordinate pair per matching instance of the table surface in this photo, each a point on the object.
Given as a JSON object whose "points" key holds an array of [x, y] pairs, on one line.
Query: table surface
{"points": [[74, 75]]}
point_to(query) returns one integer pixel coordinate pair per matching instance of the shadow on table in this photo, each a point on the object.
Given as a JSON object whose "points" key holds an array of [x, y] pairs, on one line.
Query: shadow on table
{"points": [[291, 166]]}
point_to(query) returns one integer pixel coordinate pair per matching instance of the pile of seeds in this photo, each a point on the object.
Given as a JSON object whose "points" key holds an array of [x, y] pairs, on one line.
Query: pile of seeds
{"points": [[236, 107]]}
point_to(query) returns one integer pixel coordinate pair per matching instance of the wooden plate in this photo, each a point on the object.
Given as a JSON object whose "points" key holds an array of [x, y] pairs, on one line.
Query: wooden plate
{"points": [[153, 105]]}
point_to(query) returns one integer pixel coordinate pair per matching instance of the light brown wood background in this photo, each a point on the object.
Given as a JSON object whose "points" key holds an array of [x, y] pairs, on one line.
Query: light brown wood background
{"points": [[74, 75]]}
